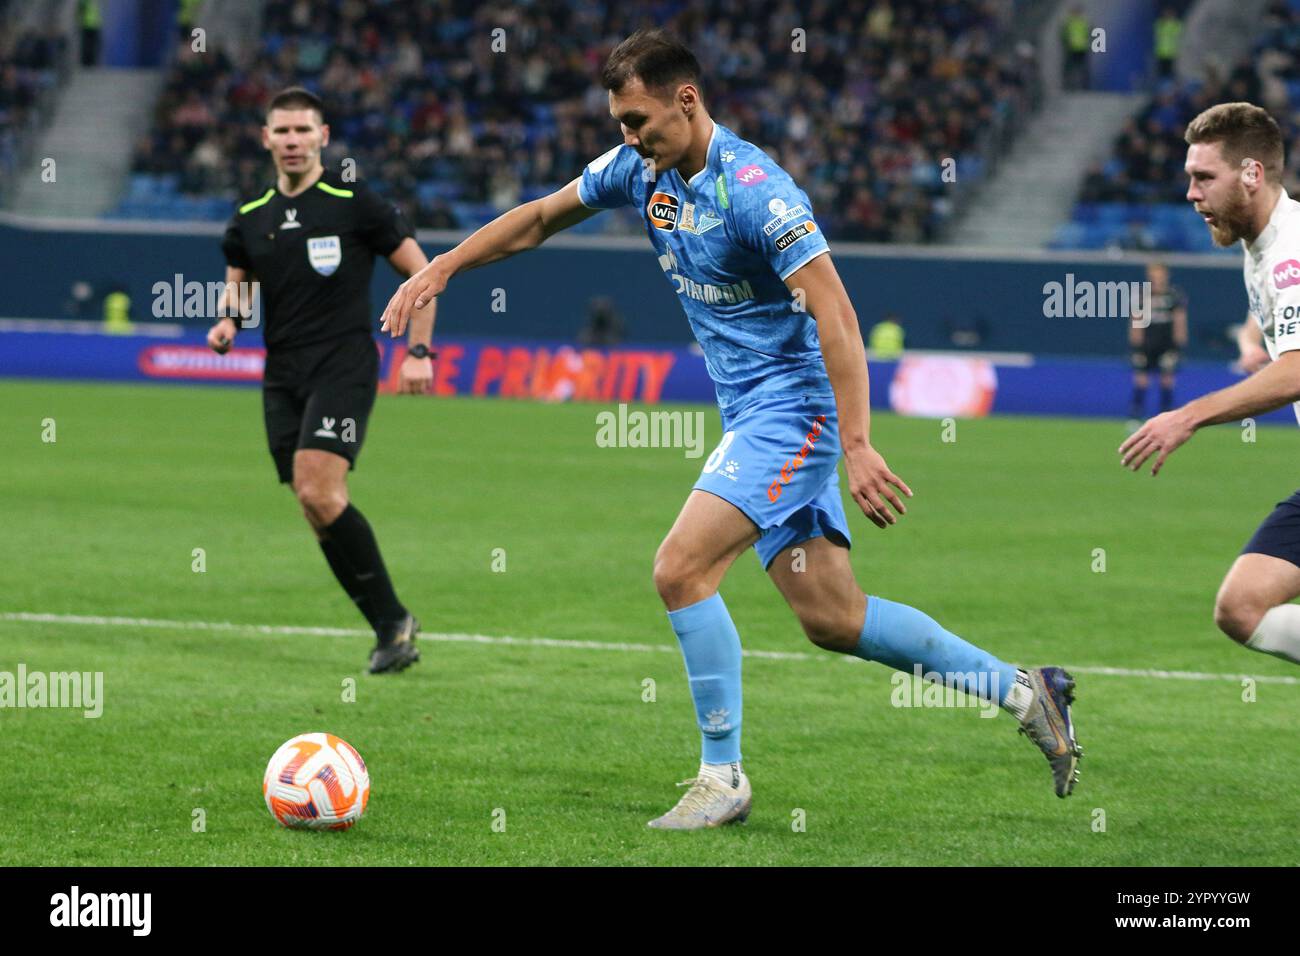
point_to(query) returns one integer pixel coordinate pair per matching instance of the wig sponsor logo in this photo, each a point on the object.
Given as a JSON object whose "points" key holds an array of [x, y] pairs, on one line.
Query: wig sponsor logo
{"points": [[662, 211], [1286, 274], [73, 690], [794, 464]]}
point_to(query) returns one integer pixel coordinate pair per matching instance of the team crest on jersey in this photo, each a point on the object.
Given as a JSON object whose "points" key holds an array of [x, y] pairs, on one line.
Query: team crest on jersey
{"points": [[662, 211], [688, 222], [705, 222], [325, 253], [290, 220]]}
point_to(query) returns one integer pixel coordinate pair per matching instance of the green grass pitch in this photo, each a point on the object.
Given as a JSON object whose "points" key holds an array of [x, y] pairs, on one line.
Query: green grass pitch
{"points": [[1000, 546]]}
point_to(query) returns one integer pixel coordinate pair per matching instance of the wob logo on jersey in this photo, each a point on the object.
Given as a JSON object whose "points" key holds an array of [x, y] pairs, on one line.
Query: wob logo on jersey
{"points": [[1286, 274], [325, 254], [662, 211]]}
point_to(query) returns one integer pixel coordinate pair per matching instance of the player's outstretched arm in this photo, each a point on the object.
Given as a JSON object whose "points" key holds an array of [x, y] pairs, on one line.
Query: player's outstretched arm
{"points": [[522, 228], [222, 334], [1266, 390], [871, 483], [1250, 343], [416, 374]]}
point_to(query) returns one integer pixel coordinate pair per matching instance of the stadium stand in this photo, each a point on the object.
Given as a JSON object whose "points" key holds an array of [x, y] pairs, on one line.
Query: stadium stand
{"points": [[439, 124], [1136, 199], [31, 65]]}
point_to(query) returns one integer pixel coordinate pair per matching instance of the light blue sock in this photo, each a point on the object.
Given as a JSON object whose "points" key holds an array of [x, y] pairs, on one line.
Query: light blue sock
{"points": [[711, 647], [902, 637]]}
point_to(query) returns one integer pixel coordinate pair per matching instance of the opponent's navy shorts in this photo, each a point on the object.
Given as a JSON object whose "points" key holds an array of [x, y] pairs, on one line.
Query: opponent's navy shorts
{"points": [[777, 463], [319, 396], [1279, 534]]}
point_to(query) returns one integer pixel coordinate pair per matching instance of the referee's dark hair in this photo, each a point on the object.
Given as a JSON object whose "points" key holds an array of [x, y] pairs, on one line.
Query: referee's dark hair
{"points": [[297, 98], [656, 57]]}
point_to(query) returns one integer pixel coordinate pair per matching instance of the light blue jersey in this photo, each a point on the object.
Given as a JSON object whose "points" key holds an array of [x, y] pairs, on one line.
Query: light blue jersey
{"points": [[727, 240]]}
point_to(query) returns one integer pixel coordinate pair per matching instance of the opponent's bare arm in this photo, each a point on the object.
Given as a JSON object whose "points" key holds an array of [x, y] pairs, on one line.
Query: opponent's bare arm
{"points": [[416, 374], [1250, 341], [871, 483], [1267, 389], [222, 334], [522, 228]]}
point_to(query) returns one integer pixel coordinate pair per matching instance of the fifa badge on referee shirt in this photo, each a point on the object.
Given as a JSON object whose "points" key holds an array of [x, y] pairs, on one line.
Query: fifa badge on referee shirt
{"points": [[325, 253]]}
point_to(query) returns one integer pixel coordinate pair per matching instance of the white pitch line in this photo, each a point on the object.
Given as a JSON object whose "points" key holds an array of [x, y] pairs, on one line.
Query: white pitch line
{"points": [[99, 621]]}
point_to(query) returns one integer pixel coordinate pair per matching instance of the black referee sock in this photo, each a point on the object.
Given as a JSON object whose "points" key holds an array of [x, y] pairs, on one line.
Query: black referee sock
{"points": [[347, 578], [1135, 404], [357, 546]]}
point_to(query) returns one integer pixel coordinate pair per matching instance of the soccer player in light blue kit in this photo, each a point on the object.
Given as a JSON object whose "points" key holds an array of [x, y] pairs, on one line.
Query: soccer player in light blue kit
{"points": [[737, 239]]}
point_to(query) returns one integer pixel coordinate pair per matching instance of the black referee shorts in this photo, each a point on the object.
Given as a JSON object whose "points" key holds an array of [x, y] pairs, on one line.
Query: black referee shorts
{"points": [[1279, 534], [319, 396], [1157, 353]]}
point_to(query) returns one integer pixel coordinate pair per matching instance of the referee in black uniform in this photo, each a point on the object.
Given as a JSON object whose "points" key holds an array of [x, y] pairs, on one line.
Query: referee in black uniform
{"points": [[1157, 346], [309, 242]]}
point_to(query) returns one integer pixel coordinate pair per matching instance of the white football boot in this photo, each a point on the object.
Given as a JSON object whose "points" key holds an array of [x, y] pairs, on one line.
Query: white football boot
{"points": [[711, 801]]}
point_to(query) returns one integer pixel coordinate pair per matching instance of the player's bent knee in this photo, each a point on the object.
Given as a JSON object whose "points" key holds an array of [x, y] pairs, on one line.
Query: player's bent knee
{"points": [[679, 580], [830, 634], [320, 503], [1237, 618]]}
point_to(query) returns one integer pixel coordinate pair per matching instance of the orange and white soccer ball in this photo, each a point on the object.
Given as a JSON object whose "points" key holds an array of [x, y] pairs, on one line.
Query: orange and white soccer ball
{"points": [[316, 782]]}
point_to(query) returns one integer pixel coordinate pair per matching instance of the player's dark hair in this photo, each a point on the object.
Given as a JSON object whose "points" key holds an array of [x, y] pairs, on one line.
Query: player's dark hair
{"points": [[656, 58], [297, 98], [1242, 130]]}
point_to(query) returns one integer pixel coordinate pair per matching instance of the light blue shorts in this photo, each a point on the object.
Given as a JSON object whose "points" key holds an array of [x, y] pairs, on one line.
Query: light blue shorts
{"points": [[777, 462]]}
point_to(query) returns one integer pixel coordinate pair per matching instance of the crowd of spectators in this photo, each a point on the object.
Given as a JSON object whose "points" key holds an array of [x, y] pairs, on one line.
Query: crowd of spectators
{"points": [[29, 66], [1146, 167], [862, 101]]}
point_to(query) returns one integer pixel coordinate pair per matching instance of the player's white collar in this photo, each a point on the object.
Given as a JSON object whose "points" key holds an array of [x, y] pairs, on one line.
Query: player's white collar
{"points": [[1265, 239], [708, 155]]}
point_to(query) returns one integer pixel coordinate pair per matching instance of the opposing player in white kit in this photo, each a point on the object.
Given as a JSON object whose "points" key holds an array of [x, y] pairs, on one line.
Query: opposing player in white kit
{"points": [[1234, 160]]}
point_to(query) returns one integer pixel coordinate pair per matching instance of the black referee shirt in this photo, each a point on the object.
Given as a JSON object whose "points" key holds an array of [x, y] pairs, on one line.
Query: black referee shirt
{"points": [[1163, 305], [313, 256]]}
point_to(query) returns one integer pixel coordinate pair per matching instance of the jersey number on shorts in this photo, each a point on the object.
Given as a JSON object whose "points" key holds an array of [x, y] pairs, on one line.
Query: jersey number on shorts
{"points": [[715, 459]]}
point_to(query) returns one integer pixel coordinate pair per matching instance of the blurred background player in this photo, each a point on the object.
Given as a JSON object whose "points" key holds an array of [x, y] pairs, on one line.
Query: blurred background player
{"points": [[309, 242], [1156, 336], [886, 338], [736, 237], [1235, 163]]}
